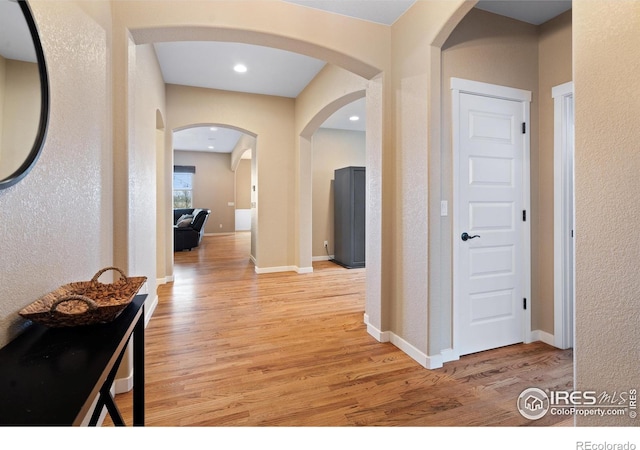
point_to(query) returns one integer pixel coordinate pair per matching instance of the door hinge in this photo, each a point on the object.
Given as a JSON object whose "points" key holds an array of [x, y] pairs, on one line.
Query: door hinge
{"points": [[524, 215], [524, 127], [524, 303]]}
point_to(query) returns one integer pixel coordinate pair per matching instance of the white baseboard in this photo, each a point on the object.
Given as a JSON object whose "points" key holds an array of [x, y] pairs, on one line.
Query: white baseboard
{"points": [[103, 413], [426, 361], [323, 258], [380, 336], [149, 309], [164, 280], [547, 338], [122, 385], [277, 269]]}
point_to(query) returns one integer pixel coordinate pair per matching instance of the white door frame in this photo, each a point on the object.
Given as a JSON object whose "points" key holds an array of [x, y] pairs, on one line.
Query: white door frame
{"points": [[563, 217], [459, 86]]}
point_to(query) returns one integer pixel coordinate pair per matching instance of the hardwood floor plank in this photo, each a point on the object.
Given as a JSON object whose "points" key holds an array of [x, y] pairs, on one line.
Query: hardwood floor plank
{"points": [[228, 347]]}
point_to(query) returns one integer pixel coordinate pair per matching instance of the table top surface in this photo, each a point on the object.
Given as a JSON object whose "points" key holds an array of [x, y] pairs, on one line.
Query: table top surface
{"points": [[51, 376]]}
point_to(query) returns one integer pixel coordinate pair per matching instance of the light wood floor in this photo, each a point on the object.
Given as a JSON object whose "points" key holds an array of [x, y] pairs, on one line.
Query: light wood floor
{"points": [[227, 347]]}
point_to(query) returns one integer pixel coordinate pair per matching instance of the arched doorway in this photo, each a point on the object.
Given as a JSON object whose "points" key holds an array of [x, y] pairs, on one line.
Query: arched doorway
{"points": [[369, 74], [217, 150]]}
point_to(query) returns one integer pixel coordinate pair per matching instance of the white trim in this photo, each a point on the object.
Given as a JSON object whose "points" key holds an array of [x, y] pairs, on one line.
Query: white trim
{"points": [[276, 269], [378, 335], [563, 217], [459, 86], [437, 361], [414, 353], [122, 385], [149, 309], [490, 90], [539, 335], [103, 413], [426, 361], [323, 258], [164, 280]]}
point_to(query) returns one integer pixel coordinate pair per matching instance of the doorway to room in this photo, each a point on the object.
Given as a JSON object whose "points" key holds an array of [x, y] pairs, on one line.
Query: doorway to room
{"points": [[491, 237]]}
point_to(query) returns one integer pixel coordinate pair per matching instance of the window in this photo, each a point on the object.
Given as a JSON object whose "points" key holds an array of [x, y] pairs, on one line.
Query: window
{"points": [[183, 186]]}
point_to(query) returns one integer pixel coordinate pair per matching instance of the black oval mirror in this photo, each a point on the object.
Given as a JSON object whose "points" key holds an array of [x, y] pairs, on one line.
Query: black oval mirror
{"points": [[24, 92]]}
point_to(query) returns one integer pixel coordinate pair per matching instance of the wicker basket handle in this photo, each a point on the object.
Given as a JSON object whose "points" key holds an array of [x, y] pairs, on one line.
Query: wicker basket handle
{"points": [[90, 303], [100, 272]]}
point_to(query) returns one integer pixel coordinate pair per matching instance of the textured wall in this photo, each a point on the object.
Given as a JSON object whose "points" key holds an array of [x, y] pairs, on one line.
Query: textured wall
{"points": [[56, 223], [332, 149], [493, 49], [406, 187], [554, 68], [271, 119], [148, 97], [243, 184], [607, 163], [213, 187]]}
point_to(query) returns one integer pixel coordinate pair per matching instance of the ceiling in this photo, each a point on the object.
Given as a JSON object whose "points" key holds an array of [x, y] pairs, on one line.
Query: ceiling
{"points": [[276, 72], [15, 37]]}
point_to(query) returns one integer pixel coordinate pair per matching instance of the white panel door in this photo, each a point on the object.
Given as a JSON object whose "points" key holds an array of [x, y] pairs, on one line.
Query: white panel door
{"points": [[489, 264]]}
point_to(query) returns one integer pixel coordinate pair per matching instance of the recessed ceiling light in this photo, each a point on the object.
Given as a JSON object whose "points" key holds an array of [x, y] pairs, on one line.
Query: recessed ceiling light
{"points": [[213, 129], [210, 147], [354, 118], [240, 68]]}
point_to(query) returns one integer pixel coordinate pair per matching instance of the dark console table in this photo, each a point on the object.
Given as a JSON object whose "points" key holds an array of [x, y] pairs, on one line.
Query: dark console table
{"points": [[51, 376]]}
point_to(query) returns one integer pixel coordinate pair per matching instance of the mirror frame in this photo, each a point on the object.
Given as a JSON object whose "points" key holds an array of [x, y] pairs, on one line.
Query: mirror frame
{"points": [[38, 143]]}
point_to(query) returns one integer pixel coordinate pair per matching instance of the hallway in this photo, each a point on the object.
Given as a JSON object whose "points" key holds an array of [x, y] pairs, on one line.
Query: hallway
{"points": [[227, 347]]}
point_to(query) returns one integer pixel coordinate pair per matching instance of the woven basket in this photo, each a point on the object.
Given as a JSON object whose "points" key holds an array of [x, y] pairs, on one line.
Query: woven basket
{"points": [[84, 302]]}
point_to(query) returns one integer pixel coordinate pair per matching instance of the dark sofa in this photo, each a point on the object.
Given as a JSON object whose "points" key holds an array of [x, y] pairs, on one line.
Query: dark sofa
{"points": [[188, 232]]}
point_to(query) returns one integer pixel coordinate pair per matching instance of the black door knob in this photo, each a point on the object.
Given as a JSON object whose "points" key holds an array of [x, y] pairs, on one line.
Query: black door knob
{"points": [[465, 236]]}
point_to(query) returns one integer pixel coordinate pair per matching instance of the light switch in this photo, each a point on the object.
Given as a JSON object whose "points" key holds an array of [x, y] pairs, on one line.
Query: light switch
{"points": [[231, 204], [444, 208]]}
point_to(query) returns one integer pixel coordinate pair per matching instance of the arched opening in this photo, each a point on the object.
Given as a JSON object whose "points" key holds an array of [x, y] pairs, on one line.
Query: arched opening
{"points": [[216, 152], [468, 34], [299, 255]]}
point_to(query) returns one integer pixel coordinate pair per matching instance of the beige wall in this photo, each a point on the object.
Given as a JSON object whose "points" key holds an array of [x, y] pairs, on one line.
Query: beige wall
{"points": [[332, 149], [148, 98], [213, 187], [2, 91], [526, 57], [493, 49], [20, 118], [606, 48], [409, 262], [271, 119], [243, 184], [331, 89], [61, 216], [3, 66], [74, 176], [554, 68]]}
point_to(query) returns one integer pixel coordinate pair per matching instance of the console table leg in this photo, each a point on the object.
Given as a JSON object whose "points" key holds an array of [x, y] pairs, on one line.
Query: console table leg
{"points": [[138, 372]]}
